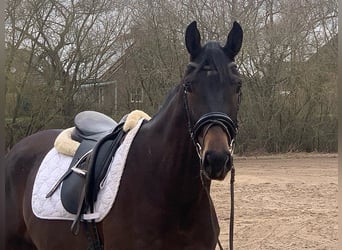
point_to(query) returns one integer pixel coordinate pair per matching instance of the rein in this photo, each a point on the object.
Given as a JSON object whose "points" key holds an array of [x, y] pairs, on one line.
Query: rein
{"points": [[230, 127], [211, 206]]}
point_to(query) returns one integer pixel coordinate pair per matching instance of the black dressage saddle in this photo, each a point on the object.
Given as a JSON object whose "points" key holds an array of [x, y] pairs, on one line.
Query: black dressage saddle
{"points": [[99, 137]]}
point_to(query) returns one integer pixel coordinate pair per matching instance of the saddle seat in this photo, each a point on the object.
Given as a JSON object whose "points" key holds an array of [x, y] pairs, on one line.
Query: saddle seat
{"points": [[92, 125]]}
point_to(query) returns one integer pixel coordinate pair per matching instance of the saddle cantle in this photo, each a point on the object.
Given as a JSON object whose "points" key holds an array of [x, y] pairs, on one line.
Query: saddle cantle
{"points": [[92, 125]]}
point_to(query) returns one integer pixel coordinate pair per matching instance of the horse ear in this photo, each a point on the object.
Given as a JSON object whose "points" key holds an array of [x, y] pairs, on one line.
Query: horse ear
{"points": [[193, 40], [234, 41]]}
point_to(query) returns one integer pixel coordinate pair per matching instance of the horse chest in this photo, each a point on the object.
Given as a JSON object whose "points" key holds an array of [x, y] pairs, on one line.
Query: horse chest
{"points": [[154, 228], [165, 240]]}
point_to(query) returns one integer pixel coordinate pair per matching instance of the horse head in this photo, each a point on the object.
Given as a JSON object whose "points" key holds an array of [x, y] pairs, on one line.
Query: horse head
{"points": [[212, 93]]}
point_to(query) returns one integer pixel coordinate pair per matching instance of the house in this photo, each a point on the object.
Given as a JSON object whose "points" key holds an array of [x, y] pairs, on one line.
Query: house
{"points": [[136, 80], [115, 91]]}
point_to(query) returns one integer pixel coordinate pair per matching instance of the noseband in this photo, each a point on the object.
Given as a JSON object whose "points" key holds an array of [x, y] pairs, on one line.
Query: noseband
{"points": [[230, 127], [215, 118]]}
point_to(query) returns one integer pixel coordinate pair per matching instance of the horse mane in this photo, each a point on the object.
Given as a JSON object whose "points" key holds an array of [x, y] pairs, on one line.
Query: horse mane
{"points": [[214, 57], [172, 93]]}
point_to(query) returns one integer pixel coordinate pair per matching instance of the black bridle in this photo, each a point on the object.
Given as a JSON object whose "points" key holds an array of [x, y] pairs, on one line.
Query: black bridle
{"points": [[230, 127], [215, 118], [211, 118]]}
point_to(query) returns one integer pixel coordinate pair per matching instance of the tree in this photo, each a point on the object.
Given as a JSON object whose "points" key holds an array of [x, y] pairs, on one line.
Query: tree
{"points": [[289, 102], [66, 44], [280, 100]]}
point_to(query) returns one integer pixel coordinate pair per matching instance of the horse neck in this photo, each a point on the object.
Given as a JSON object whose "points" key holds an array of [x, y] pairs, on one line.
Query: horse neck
{"points": [[171, 126], [180, 162]]}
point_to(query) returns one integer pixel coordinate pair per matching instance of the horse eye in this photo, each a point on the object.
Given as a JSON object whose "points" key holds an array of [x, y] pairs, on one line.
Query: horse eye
{"points": [[188, 87]]}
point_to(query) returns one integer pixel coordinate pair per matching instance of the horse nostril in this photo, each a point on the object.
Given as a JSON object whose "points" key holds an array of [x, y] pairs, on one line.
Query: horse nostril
{"points": [[207, 163], [216, 158], [215, 163]]}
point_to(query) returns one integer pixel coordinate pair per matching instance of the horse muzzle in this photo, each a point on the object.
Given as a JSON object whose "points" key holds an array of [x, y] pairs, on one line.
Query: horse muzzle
{"points": [[217, 153], [213, 135], [216, 165]]}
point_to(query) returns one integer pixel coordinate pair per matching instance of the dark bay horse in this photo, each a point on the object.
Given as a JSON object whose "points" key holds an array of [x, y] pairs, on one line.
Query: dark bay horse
{"points": [[161, 203]]}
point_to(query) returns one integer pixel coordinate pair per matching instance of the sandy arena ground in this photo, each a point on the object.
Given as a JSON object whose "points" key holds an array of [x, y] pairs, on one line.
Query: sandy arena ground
{"points": [[281, 202]]}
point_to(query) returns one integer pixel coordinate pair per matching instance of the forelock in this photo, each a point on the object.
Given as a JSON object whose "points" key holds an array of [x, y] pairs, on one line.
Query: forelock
{"points": [[214, 56]]}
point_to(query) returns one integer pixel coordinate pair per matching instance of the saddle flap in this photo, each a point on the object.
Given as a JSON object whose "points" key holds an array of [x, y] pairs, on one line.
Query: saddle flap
{"points": [[100, 160], [73, 184], [83, 183]]}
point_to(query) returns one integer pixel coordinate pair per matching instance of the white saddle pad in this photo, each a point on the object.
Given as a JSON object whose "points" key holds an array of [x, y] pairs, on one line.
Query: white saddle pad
{"points": [[55, 165]]}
